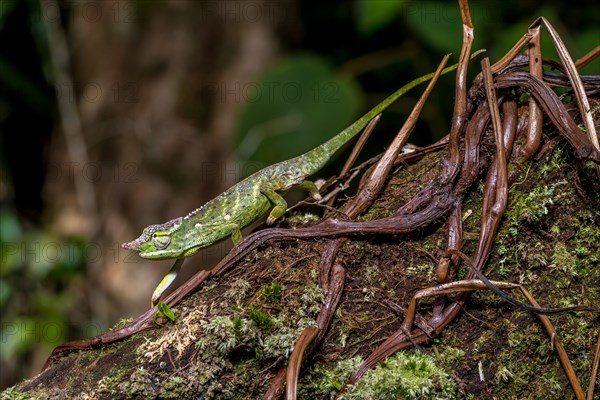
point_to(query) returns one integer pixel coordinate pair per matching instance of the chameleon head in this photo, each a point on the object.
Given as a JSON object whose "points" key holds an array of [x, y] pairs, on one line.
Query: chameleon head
{"points": [[156, 242]]}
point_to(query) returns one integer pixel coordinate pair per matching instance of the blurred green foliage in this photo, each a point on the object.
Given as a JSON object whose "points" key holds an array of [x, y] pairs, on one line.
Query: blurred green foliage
{"points": [[35, 267], [373, 15], [289, 110], [305, 99]]}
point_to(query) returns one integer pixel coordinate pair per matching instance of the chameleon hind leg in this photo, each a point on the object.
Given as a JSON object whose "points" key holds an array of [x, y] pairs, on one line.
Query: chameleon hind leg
{"points": [[281, 204], [236, 234], [166, 281]]}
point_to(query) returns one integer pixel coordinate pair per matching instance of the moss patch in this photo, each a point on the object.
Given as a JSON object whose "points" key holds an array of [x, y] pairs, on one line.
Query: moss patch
{"points": [[405, 375]]}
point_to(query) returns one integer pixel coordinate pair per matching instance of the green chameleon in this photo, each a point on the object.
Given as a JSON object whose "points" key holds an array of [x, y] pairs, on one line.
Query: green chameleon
{"points": [[247, 201]]}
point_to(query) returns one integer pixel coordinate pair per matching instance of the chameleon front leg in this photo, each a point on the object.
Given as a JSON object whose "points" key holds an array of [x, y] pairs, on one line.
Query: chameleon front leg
{"points": [[278, 201], [166, 281], [311, 189]]}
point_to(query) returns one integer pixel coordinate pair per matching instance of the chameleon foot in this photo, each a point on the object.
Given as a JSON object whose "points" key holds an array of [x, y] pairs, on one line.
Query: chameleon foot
{"points": [[311, 189], [280, 205]]}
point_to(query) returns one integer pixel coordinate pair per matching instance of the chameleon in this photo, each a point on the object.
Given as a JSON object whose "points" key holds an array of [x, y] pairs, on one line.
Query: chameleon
{"points": [[248, 200]]}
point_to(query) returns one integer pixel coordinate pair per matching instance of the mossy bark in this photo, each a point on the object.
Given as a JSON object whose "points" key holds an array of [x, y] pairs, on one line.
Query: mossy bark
{"points": [[235, 332]]}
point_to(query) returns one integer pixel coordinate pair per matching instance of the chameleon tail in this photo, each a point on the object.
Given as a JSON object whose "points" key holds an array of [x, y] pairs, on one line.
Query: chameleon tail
{"points": [[320, 155]]}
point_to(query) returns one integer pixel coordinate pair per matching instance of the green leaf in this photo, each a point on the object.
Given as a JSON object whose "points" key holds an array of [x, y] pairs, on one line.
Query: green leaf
{"points": [[373, 15], [292, 108], [164, 310]]}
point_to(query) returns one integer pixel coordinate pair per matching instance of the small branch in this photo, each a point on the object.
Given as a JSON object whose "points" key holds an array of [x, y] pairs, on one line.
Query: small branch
{"points": [[293, 369], [512, 53], [590, 394], [588, 58], [534, 133], [460, 97], [580, 96], [362, 140], [562, 354]]}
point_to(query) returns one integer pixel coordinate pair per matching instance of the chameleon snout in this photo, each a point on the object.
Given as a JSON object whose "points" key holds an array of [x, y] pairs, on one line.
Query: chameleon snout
{"points": [[133, 245]]}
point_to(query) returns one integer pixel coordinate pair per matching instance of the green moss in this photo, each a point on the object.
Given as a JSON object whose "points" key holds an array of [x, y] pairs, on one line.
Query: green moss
{"points": [[503, 375], [405, 375], [301, 218], [281, 343], [262, 320], [13, 393], [238, 290], [450, 357], [324, 381], [563, 259], [587, 237], [221, 334], [272, 292], [121, 323], [372, 275], [531, 207], [175, 387], [422, 270], [139, 385], [108, 385], [252, 336]]}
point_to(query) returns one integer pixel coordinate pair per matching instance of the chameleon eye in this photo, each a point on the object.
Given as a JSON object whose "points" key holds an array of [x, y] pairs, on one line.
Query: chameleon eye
{"points": [[161, 241]]}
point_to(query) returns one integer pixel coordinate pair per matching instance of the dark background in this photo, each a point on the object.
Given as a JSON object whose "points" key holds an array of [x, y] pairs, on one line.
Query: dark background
{"points": [[118, 114]]}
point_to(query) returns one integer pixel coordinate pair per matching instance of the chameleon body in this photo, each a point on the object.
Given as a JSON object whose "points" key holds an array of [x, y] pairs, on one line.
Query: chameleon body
{"points": [[247, 201]]}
